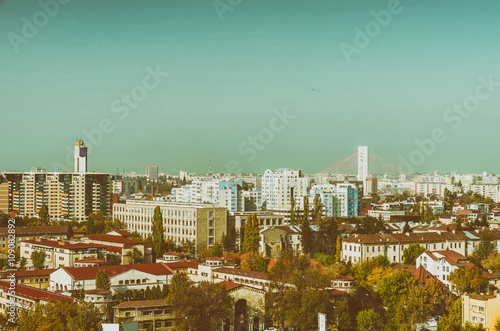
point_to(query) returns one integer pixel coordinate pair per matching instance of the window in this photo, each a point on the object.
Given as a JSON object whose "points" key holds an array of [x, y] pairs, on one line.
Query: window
{"points": [[120, 282]]}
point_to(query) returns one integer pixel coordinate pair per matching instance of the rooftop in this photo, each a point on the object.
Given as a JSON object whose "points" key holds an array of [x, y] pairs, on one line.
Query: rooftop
{"points": [[34, 294]]}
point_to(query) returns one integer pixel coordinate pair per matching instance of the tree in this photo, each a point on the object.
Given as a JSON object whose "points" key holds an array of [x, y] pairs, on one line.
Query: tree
{"points": [[229, 240], [102, 280], [486, 247], [180, 281], [307, 237], [200, 307], [327, 236], [293, 211], [135, 255], [473, 327], [452, 321], [369, 320], [406, 228], [492, 263], [251, 239], [62, 316], [317, 211], [38, 259], [158, 232], [95, 223], [469, 279], [215, 250], [411, 253], [69, 232], [338, 251], [254, 262], [305, 215], [43, 214]]}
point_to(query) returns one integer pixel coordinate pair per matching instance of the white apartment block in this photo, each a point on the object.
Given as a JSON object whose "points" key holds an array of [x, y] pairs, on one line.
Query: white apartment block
{"points": [[427, 189], [201, 224], [487, 190], [361, 247], [197, 192], [441, 264], [278, 186]]}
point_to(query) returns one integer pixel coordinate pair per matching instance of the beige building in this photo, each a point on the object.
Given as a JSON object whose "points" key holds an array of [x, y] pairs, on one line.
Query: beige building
{"points": [[481, 309], [32, 232], [150, 314], [4, 200], [202, 224], [67, 195]]}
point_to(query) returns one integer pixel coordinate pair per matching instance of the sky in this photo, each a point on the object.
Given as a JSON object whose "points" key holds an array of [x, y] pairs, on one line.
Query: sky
{"points": [[249, 84]]}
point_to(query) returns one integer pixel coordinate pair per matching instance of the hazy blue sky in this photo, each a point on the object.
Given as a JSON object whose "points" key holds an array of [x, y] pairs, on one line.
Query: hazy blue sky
{"points": [[231, 72]]}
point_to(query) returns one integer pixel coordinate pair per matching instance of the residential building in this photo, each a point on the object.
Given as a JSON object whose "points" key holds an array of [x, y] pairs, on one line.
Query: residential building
{"points": [[4, 200], [26, 297], [119, 246], [152, 172], [339, 200], [60, 253], [361, 247], [67, 195], [122, 277], [202, 224], [279, 186], [33, 278], [282, 238], [481, 309], [150, 314], [56, 232], [441, 264], [197, 192]]}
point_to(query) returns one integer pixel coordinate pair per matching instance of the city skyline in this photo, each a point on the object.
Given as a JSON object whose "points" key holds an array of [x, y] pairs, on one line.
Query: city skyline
{"points": [[254, 87]]}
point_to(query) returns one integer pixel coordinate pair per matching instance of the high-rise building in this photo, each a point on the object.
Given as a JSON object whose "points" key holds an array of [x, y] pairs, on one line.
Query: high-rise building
{"points": [[363, 164], [339, 200], [67, 195], [278, 186], [80, 157], [152, 172], [4, 199]]}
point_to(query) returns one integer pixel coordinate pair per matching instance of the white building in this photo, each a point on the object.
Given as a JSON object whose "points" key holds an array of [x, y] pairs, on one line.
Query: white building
{"points": [[80, 157], [441, 263], [122, 277], [197, 192], [278, 186]]}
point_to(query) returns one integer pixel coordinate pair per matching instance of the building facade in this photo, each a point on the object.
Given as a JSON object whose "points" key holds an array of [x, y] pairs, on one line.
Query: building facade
{"points": [[201, 224]]}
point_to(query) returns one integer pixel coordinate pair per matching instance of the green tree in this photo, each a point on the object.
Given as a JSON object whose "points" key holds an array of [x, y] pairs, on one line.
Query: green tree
{"points": [[305, 214], [317, 210], [38, 259], [69, 232], [134, 255], [492, 263], [102, 280], [307, 237], [338, 251], [473, 327], [327, 236], [293, 211], [158, 232], [180, 281], [486, 247], [200, 307], [251, 234], [95, 223], [452, 321], [369, 320], [43, 214], [254, 262], [469, 279], [411, 253], [215, 250]]}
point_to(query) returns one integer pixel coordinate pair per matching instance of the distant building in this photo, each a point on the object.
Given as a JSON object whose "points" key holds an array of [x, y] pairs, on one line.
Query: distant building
{"points": [[80, 157], [56, 232], [152, 172], [67, 195], [481, 309], [150, 314], [279, 186]]}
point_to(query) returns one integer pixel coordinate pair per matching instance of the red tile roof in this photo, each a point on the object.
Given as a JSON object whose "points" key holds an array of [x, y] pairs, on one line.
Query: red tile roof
{"points": [[113, 239], [38, 230], [89, 259], [215, 258], [172, 253], [112, 270], [35, 294], [61, 244], [229, 285], [181, 264], [32, 273]]}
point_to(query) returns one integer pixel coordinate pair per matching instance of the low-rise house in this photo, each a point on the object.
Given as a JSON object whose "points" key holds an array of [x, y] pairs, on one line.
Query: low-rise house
{"points": [[33, 278], [361, 247], [122, 277], [89, 262], [481, 309], [170, 257], [119, 246], [441, 264], [250, 278], [343, 282], [25, 297], [282, 237], [150, 314], [32, 232], [60, 253]]}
